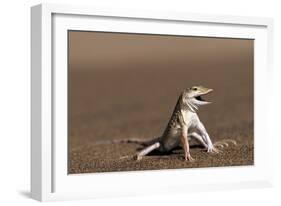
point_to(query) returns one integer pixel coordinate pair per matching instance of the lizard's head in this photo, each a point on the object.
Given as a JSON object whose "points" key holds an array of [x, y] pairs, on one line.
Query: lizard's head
{"points": [[193, 96]]}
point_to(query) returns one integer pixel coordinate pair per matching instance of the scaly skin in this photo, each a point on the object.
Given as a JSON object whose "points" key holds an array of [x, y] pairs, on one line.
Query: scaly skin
{"points": [[184, 118]]}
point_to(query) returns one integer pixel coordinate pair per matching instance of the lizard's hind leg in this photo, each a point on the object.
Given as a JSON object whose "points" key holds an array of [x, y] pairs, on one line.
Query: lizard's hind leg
{"points": [[199, 138], [147, 150]]}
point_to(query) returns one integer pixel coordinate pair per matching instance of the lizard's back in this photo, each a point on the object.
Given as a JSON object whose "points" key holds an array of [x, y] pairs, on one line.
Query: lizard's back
{"points": [[172, 134]]}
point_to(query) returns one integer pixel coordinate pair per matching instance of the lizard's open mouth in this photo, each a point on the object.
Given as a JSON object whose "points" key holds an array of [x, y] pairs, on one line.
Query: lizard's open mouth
{"points": [[200, 98], [200, 101]]}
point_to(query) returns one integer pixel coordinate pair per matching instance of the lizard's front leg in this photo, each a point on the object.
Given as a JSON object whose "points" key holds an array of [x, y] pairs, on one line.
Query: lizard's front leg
{"points": [[206, 137], [185, 145]]}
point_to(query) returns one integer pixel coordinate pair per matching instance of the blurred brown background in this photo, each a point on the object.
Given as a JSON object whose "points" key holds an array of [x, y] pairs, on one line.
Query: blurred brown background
{"points": [[126, 85]]}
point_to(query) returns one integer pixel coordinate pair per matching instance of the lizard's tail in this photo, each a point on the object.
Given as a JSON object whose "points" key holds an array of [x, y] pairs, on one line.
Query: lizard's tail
{"points": [[143, 142]]}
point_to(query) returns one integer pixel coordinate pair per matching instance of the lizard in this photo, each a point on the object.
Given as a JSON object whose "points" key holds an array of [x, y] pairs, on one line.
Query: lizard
{"points": [[183, 119]]}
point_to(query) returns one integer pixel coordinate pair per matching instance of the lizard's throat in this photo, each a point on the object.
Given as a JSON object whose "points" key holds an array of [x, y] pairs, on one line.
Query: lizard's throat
{"points": [[191, 106]]}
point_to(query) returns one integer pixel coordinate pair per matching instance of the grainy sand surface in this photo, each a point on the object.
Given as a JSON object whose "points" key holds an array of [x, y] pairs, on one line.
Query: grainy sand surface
{"points": [[125, 86]]}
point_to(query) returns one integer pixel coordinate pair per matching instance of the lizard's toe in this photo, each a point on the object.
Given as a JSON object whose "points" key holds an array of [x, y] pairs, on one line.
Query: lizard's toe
{"points": [[138, 157], [214, 150], [191, 159], [188, 158], [221, 144], [225, 143]]}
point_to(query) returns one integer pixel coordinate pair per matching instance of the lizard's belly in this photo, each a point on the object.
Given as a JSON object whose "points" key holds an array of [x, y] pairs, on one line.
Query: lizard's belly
{"points": [[171, 140], [190, 119]]}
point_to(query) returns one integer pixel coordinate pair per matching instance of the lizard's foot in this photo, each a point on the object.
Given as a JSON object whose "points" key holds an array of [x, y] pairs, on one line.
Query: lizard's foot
{"points": [[188, 158], [125, 157], [138, 157], [225, 143], [213, 150]]}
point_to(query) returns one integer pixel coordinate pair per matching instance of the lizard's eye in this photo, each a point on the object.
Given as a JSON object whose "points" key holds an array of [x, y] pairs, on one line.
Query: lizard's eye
{"points": [[194, 89]]}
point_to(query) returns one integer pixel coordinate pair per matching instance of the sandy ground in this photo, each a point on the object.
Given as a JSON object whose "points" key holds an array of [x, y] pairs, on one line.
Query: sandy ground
{"points": [[128, 89]]}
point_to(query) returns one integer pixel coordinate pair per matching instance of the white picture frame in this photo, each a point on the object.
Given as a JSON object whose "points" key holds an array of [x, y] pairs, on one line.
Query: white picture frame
{"points": [[49, 178]]}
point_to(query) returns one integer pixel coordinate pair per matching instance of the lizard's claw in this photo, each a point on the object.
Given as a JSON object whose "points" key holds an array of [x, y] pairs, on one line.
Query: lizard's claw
{"points": [[138, 157], [221, 144], [189, 158], [225, 143], [213, 150]]}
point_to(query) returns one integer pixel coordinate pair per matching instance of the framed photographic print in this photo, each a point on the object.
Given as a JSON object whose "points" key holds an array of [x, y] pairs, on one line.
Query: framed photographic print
{"points": [[137, 102]]}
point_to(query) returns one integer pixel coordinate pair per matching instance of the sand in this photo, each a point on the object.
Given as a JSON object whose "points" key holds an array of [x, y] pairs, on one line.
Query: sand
{"points": [[128, 89]]}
